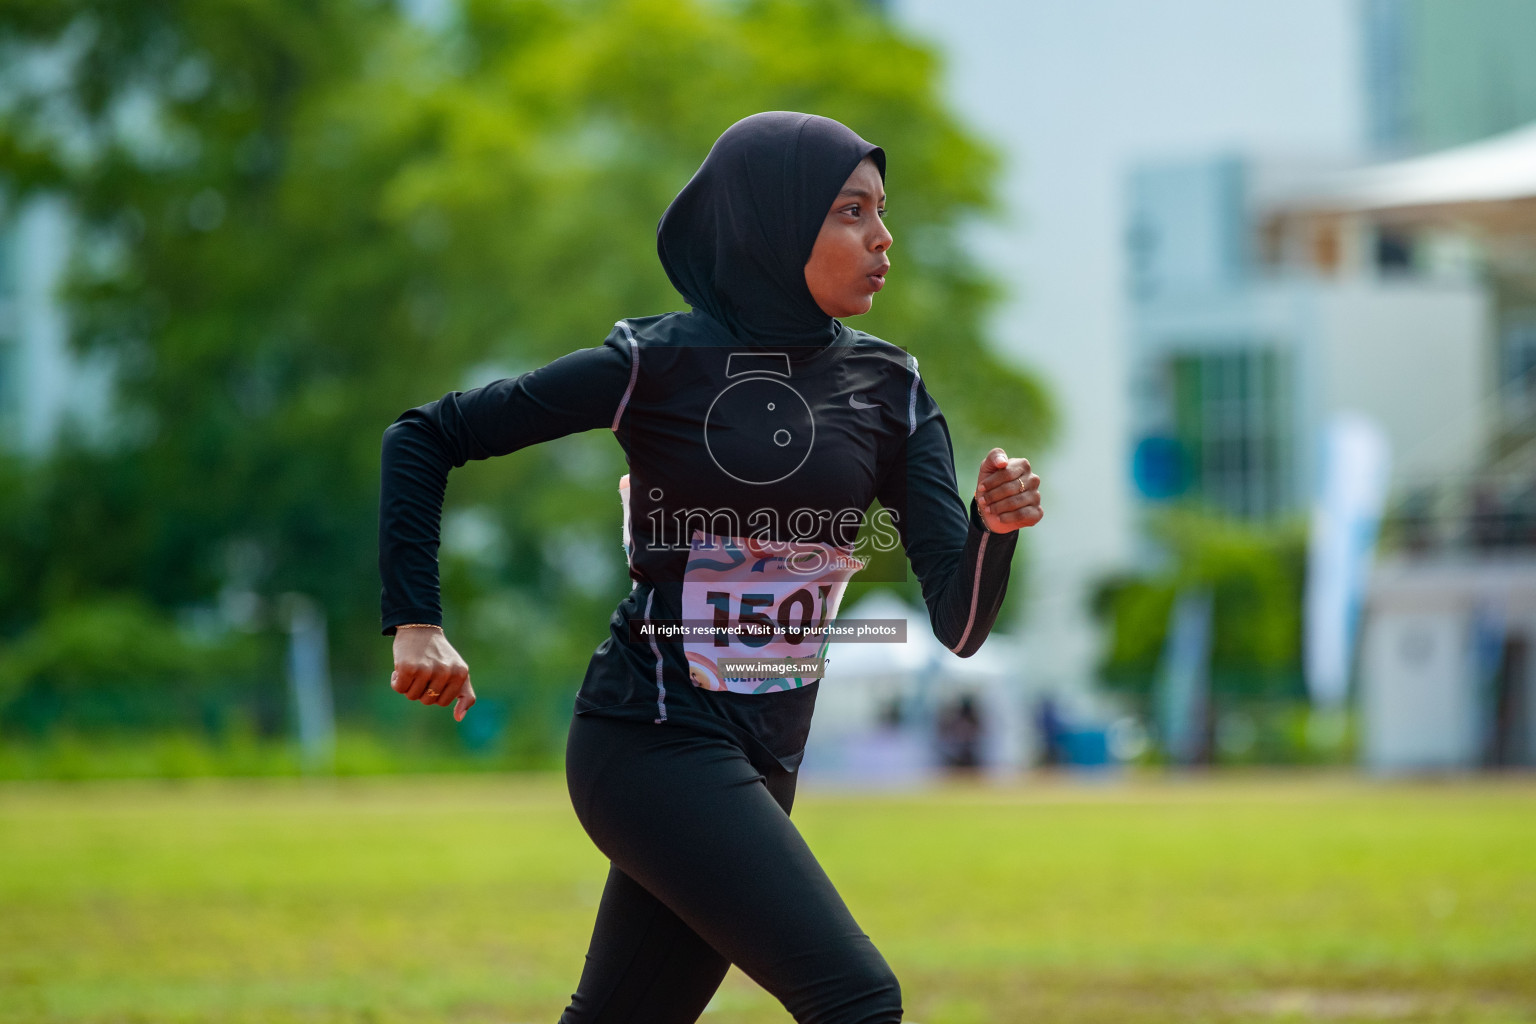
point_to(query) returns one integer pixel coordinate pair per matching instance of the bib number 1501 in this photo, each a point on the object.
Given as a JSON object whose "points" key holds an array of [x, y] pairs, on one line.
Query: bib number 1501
{"points": [[757, 620]]}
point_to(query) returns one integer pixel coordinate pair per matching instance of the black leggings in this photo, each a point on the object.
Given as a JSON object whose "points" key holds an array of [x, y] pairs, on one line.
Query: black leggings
{"points": [[708, 871]]}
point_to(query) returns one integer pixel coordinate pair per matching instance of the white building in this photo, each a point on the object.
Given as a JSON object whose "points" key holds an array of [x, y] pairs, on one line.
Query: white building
{"points": [[1073, 93], [1447, 681], [1446, 678], [1241, 353]]}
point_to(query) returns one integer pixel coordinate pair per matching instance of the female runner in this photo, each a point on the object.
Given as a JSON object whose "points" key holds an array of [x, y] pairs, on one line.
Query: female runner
{"points": [[758, 429]]}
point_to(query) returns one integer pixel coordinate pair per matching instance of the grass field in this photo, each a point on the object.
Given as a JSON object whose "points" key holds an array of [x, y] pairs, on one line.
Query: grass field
{"points": [[469, 899]]}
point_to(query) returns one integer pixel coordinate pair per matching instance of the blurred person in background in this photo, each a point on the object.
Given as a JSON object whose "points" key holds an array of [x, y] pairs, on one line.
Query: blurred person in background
{"points": [[960, 734], [758, 406]]}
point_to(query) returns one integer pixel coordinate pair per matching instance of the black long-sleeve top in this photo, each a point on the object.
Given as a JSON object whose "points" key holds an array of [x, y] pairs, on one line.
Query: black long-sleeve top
{"points": [[751, 470]]}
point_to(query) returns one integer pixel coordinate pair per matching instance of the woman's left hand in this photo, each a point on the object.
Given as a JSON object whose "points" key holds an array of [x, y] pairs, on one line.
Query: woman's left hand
{"points": [[1007, 493]]}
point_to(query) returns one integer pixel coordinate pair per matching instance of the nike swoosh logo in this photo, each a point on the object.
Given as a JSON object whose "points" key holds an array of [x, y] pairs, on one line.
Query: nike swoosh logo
{"points": [[853, 400]]}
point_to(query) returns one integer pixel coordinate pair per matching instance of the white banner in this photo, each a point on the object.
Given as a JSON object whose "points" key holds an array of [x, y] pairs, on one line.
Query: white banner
{"points": [[1345, 520]]}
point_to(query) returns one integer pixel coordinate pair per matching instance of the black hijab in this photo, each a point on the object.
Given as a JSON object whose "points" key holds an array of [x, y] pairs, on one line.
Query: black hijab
{"points": [[736, 239]]}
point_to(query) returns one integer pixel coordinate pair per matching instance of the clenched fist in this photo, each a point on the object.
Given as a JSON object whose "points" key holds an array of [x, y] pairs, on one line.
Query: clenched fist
{"points": [[1007, 493], [428, 669]]}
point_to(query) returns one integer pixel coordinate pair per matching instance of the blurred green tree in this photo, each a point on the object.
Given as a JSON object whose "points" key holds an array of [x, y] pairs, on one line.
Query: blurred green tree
{"points": [[301, 218], [1254, 573]]}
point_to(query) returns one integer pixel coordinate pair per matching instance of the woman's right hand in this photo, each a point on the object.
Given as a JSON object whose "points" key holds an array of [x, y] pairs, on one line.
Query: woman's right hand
{"points": [[428, 669]]}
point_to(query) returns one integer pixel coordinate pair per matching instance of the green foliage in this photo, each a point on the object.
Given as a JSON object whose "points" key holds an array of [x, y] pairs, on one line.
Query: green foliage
{"points": [[116, 642], [1254, 573], [116, 664], [175, 751], [300, 219]]}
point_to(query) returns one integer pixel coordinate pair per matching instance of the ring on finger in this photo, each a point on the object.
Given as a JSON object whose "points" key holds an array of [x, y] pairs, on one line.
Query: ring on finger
{"points": [[430, 693]]}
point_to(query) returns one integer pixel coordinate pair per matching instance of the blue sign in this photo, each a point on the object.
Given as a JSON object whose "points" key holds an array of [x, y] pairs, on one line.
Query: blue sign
{"points": [[1158, 468]]}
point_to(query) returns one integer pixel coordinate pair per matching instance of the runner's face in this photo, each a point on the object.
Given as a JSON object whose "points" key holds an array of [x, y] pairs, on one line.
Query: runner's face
{"points": [[848, 263]]}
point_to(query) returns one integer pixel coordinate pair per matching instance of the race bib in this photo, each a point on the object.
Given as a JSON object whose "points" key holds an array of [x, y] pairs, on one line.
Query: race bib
{"points": [[739, 584]]}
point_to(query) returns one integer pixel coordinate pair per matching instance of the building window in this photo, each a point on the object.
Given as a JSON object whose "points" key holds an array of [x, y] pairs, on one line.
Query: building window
{"points": [[1518, 374], [1230, 415], [1394, 250]]}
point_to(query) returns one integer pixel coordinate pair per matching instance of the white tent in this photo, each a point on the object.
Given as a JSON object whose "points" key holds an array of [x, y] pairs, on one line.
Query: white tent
{"points": [[1498, 169], [865, 680], [920, 649]]}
